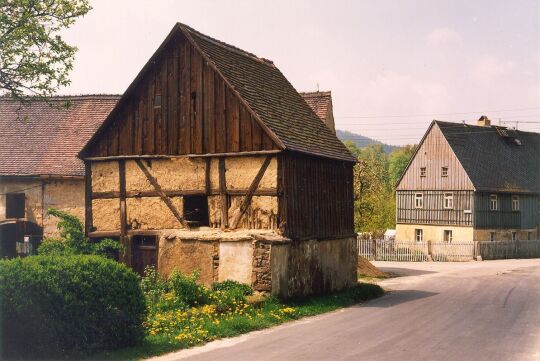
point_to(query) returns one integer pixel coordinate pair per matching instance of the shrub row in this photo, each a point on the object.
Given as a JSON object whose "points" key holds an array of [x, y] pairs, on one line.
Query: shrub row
{"points": [[51, 306]]}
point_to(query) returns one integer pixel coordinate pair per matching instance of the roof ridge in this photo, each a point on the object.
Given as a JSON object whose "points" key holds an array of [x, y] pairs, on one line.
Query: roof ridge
{"points": [[61, 97], [227, 46], [490, 127], [318, 92]]}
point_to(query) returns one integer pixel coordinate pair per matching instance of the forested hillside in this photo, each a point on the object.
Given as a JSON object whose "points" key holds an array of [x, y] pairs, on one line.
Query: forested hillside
{"points": [[362, 141]]}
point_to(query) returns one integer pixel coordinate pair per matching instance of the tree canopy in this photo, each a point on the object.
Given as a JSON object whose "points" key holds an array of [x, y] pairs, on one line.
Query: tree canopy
{"points": [[34, 59], [375, 178]]}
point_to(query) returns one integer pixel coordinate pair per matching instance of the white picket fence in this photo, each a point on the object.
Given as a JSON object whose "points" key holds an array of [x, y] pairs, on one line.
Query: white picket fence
{"points": [[406, 251]]}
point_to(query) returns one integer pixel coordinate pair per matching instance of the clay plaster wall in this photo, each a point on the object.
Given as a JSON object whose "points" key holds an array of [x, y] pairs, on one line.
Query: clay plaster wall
{"points": [[65, 195], [105, 176], [313, 267], [106, 214], [152, 213], [33, 197], [235, 261], [261, 213], [240, 172], [188, 256], [171, 174]]}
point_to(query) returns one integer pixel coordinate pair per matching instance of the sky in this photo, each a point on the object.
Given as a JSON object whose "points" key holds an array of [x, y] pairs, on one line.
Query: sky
{"points": [[392, 66]]}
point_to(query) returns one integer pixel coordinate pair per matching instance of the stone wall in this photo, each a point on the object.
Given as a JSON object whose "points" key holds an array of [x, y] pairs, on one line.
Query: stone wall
{"points": [[261, 279], [506, 234], [302, 268]]}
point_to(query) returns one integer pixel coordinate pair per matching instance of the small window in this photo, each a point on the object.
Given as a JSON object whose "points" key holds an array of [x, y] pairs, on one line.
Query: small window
{"points": [[448, 236], [493, 202], [529, 236], [448, 201], [157, 101], [423, 171], [444, 171], [418, 200], [515, 203], [492, 236], [418, 235], [15, 204], [196, 210], [514, 236]]}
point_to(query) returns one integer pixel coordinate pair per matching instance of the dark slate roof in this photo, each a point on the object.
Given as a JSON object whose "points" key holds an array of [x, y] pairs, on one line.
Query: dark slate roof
{"points": [[495, 163], [41, 139], [319, 101], [270, 95]]}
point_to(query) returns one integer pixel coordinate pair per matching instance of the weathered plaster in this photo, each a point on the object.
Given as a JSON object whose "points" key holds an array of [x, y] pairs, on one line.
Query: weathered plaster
{"points": [[235, 261], [152, 213]]}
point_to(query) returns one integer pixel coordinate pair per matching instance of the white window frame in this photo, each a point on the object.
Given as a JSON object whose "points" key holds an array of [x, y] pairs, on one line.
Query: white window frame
{"points": [[418, 234], [419, 200], [514, 236], [448, 202], [423, 171], [450, 235], [515, 203], [493, 202], [444, 171]]}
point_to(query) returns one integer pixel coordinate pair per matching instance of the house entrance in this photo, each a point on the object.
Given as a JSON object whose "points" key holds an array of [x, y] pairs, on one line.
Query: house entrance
{"points": [[144, 254]]}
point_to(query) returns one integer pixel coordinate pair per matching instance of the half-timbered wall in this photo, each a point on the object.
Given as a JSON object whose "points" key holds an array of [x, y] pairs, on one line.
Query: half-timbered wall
{"points": [[181, 106], [317, 199], [434, 154], [433, 211], [179, 177]]}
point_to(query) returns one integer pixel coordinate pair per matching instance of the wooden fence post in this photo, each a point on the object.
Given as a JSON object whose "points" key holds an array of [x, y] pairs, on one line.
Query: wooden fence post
{"points": [[374, 249]]}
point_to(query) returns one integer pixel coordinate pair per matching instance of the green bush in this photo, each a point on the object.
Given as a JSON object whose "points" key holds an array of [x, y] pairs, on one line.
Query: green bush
{"points": [[232, 286], [56, 305], [186, 289], [72, 240]]}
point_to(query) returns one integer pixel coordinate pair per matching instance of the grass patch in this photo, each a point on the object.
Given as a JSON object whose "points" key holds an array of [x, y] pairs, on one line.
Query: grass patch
{"points": [[178, 329]]}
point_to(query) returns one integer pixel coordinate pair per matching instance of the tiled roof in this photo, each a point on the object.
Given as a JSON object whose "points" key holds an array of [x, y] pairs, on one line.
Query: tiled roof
{"points": [[270, 95], [44, 139], [493, 162], [319, 101]]}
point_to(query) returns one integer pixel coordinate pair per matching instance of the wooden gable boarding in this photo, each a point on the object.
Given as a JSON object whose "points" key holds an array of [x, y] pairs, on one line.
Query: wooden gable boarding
{"points": [[179, 105]]}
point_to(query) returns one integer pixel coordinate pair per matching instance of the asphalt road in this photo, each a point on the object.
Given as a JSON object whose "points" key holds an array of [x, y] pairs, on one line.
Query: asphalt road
{"points": [[436, 311]]}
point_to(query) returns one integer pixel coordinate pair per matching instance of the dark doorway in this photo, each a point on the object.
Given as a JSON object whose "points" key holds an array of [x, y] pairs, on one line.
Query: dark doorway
{"points": [[19, 238], [144, 254], [196, 210]]}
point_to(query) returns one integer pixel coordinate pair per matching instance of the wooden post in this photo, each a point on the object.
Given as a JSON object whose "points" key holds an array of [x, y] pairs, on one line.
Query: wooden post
{"points": [[88, 221], [223, 194], [126, 256]]}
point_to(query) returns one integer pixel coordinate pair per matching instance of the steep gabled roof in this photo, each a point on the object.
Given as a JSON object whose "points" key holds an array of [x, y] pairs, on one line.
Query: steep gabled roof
{"points": [[493, 162], [280, 109], [41, 139], [319, 101]]}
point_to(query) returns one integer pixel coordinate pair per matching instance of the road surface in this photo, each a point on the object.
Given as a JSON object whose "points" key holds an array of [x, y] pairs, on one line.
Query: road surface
{"points": [[436, 311]]}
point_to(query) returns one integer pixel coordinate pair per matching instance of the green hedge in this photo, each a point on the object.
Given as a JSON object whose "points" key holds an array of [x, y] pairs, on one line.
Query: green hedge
{"points": [[57, 305]]}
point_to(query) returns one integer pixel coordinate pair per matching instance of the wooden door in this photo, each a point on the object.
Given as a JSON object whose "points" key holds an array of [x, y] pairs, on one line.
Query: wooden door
{"points": [[144, 253]]}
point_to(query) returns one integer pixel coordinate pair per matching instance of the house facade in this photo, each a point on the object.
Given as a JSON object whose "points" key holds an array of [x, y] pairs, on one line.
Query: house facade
{"points": [[470, 183], [212, 162], [39, 168]]}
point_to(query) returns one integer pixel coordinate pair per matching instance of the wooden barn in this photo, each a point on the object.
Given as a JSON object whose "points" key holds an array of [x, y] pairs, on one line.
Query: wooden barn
{"points": [[212, 161], [471, 183]]}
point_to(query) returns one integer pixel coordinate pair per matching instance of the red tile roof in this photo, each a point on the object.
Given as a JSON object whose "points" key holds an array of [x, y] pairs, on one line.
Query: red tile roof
{"points": [[43, 139], [319, 101]]}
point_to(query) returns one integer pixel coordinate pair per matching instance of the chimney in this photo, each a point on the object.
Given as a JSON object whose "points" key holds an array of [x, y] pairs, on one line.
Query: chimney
{"points": [[484, 121]]}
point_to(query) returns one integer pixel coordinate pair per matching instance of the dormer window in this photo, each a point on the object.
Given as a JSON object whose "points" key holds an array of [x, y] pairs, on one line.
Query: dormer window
{"points": [[423, 171], [444, 171]]}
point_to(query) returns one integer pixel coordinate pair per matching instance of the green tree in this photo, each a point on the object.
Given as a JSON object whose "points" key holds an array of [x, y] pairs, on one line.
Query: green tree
{"points": [[72, 240], [397, 162], [34, 59]]}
